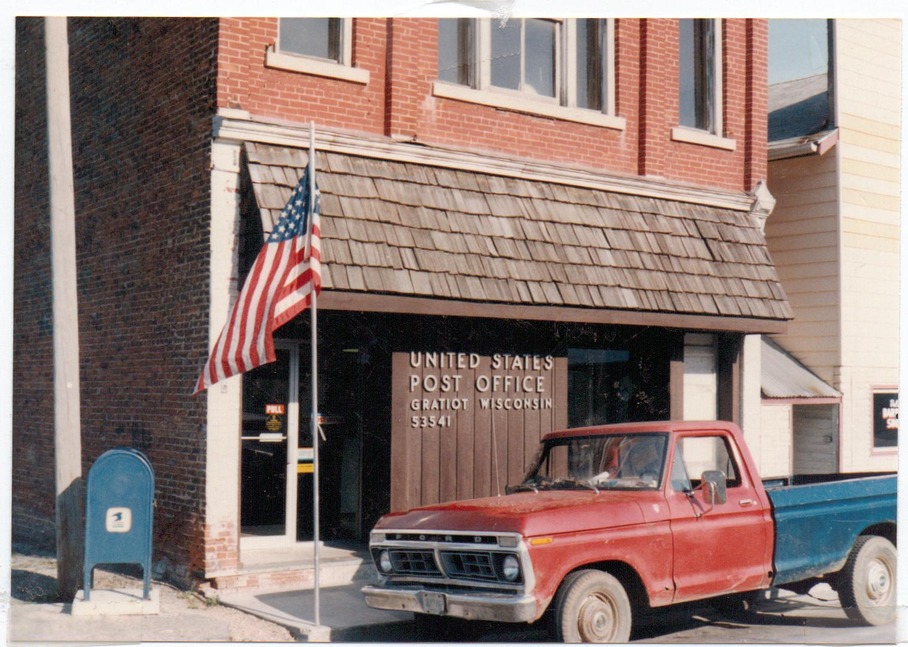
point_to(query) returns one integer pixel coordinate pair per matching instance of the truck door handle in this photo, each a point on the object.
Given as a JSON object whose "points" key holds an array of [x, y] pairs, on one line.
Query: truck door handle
{"points": [[746, 502]]}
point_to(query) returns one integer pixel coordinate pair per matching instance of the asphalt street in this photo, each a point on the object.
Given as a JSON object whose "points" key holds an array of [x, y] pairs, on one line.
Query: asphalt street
{"points": [[812, 619]]}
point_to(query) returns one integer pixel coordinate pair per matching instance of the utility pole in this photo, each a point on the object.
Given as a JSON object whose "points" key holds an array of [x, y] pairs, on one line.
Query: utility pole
{"points": [[67, 421]]}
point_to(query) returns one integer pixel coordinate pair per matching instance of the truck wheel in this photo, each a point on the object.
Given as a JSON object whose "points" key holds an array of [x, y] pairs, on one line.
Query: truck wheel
{"points": [[866, 584], [592, 607]]}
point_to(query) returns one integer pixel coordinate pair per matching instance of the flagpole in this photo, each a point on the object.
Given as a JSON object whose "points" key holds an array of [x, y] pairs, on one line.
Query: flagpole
{"points": [[314, 354]]}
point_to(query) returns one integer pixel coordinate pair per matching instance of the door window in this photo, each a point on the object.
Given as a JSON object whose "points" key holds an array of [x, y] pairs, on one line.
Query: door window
{"points": [[700, 454], [264, 448]]}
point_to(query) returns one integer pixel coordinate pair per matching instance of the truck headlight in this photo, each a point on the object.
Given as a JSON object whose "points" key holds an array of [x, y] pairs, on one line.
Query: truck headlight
{"points": [[384, 562], [510, 568]]}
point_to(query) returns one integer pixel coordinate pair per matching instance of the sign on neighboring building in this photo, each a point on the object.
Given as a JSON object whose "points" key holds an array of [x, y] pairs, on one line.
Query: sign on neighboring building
{"points": [[885, 419]]}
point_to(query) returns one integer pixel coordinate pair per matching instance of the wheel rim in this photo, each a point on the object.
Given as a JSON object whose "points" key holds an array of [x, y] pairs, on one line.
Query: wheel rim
{"points": [[598, 619], [879, 583]]}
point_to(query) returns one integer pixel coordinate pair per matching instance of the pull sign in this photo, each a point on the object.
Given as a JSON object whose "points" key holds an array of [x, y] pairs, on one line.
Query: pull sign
{"points": [[118, 520]]}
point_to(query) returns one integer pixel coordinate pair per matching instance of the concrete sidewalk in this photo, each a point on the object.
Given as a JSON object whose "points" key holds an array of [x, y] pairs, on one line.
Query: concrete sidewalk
{"points": [[36, 616], [239, 617], [343, 612], [187, 618]]}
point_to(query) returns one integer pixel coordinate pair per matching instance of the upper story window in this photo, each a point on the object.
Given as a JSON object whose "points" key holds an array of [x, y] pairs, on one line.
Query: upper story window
{"points": [[557, 68], [697, 74], [594, 80], [523, 56], [316, 37], [700, 83], [320, 46]]}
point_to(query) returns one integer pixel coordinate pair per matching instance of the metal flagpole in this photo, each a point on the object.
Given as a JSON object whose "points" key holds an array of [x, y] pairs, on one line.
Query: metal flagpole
{"points": [[314, 415]]}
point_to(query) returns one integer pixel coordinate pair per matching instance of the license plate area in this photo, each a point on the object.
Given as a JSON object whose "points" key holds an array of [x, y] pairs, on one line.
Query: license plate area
{"points": [[433, 603]]}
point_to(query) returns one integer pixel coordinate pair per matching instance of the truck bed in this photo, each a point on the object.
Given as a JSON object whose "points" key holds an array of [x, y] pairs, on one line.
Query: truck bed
{"points": [[818, 518]]}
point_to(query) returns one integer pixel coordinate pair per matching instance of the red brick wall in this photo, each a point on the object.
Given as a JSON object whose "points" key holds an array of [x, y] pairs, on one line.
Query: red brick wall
{"points": [[245, 83], [744, 74], [657, 90], [756, 99], [142, 99], [33, 396], [400, 55]]}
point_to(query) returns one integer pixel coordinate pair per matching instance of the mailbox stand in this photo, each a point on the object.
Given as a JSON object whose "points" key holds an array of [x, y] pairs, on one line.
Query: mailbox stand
{"points": [[118, 515]]}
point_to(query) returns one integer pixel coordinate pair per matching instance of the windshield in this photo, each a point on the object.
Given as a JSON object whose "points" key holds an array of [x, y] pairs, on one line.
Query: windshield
{"points": [[614, 462]]}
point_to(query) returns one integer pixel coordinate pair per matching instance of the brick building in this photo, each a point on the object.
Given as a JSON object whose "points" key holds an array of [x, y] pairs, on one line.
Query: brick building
{"points": [[525, 226]]}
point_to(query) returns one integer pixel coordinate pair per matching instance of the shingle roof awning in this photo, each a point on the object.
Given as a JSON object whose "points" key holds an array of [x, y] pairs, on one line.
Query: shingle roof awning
{"points": [[400, 228]]}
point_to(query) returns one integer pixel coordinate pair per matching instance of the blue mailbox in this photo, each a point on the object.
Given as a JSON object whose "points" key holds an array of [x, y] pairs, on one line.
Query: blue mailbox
{"points": [[118, 515]]}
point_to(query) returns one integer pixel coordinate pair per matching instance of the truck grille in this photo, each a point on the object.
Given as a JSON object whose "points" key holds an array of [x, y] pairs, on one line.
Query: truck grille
{"points": [[414, 562], [469, 565]]}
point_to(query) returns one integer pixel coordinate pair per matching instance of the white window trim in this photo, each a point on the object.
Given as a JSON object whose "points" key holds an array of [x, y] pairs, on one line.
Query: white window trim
{"points": [[702, 138], [527, 103], [343, 70]]}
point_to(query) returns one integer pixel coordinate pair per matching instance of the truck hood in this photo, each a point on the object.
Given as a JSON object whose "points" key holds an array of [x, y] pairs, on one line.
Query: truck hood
{"points": [[530, 514]]}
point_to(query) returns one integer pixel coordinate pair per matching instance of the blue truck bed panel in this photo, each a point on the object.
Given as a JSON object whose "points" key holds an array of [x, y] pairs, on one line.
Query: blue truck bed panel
{"points": [[817, 524]]}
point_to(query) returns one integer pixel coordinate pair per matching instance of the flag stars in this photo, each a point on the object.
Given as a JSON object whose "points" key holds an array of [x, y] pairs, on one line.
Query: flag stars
{"points": [[281, 295]]}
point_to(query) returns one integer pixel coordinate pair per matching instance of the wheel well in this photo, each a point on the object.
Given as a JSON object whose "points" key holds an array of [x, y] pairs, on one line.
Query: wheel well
{"points": [[885, 530], [629, 578]]}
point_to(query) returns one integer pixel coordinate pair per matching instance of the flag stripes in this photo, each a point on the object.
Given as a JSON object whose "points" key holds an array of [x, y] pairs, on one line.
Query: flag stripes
{"points": [[279, 286]]}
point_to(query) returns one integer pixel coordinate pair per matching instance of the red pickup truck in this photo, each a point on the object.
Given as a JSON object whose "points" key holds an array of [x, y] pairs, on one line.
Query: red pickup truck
{"points": [[611, 521]]}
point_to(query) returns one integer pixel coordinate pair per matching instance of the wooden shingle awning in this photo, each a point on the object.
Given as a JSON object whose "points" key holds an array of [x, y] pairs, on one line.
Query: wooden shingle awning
{"points": [[408, 237]]}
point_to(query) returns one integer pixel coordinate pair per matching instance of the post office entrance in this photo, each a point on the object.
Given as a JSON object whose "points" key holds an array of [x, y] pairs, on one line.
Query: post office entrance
{"points": [[277, 471]]}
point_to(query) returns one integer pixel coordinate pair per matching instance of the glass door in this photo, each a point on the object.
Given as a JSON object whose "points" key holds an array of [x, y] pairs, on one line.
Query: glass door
{"points": [[277, 470], [268, 469], [341, 388]]}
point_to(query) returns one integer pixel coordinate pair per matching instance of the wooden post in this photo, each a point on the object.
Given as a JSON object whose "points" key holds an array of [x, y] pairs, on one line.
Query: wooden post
{"points": [[67, 422]]}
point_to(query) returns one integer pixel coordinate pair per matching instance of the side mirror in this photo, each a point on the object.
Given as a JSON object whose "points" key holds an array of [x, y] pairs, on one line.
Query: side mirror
{"points": [[714, 486]]}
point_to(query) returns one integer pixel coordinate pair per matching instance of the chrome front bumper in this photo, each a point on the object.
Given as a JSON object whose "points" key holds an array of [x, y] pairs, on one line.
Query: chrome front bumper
{"points": [[475, 605]]}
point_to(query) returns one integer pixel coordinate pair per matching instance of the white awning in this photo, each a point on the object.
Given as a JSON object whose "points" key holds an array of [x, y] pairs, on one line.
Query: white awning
{"points": [[785, 377]]}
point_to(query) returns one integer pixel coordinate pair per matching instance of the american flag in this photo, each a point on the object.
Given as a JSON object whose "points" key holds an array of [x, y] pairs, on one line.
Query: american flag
{"points": [[278, 288]]}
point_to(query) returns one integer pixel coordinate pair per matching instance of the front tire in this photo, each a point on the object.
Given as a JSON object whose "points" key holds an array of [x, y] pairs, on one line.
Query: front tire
{"points": [[592, 607], [866, 584]]}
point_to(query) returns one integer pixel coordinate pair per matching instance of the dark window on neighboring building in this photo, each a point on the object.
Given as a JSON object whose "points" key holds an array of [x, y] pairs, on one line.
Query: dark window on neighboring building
{"points": [[697, 74], [800, 79]]}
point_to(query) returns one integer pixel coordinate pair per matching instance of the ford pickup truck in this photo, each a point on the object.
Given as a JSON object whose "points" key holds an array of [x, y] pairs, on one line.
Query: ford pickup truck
{"points": [[612, 521]]}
